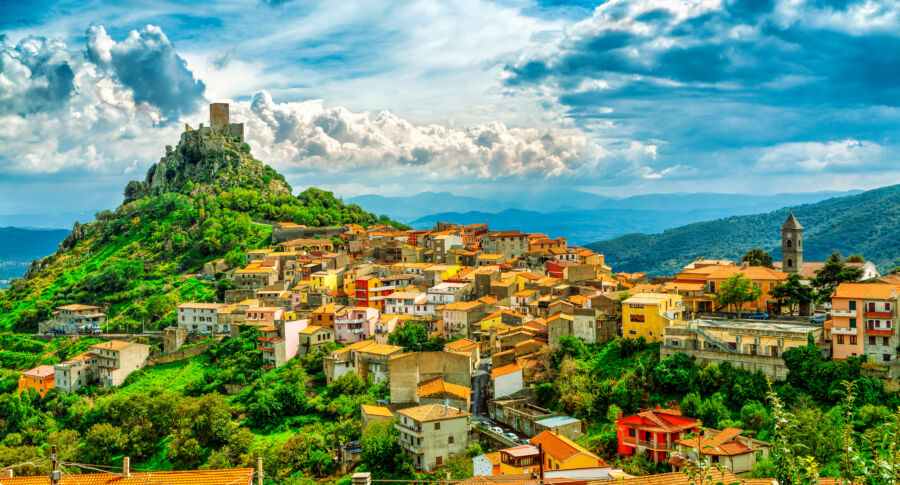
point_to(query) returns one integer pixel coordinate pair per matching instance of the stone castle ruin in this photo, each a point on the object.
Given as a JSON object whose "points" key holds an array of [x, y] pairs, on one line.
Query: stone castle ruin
{"points": [[212, 138], [196, 157]]}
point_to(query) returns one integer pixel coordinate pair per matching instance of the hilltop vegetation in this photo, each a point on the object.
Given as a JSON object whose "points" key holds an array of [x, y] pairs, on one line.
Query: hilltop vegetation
{"points": [[138, 258], [863, 224]]}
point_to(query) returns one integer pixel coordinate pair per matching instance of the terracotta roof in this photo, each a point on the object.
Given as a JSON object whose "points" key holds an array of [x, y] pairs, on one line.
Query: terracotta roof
{"points": [[111, 345], [311, 329], [506, 369], [751, 272], [438, 386], [268, 328], [678, 478], [433, 412], [461, 345], [520, 451], [188, 477], [39, 371], [493, 457], [562, 448], [719, 443], [371, 410], [77, 307], [660, 420], [868, 291]]}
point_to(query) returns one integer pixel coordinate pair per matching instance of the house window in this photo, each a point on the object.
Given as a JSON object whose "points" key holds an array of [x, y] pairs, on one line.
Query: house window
{"points": [[852, 323], [853, 304], [840, 340], [437, 426], [439, 460], [853, 340], [450, 440], [885, 341], [886, 357], [871, 340], [871, 306]]}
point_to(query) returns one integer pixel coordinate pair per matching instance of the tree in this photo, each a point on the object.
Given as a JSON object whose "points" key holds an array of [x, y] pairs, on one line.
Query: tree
{"points": [[832, 274], [754, 416], [895, 270], [757, 257], [381, 451], [792, 293], [713, 410], [737, 290], [410, 336], [103, 441], [855, 258]]}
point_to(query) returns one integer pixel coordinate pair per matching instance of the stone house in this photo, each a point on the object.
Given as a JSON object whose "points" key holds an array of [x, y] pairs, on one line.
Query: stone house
{"points": [[433, 434], [409, 370]]}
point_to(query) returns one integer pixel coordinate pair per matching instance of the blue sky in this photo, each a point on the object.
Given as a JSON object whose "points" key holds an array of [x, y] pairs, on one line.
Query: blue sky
{"points": [[474, 97]]}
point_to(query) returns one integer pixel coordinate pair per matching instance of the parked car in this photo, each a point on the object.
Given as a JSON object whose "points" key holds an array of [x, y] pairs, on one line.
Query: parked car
{"points": [[758, 316], [512, 436], [496, 429], [205, 332], [818, 319]]}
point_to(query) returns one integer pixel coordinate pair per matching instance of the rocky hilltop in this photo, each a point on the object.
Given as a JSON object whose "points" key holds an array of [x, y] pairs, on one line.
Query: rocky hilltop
{"points": [[203, 201]]}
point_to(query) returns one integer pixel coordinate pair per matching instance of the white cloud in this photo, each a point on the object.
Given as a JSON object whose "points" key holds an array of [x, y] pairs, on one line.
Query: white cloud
{"points": [[832, 156]]}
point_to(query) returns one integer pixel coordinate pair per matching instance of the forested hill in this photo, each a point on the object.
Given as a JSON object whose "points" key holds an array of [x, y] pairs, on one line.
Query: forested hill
{"points": [[197, 204], [866, 223]]}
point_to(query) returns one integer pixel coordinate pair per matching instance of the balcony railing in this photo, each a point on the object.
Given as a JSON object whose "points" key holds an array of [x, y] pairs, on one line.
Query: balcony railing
{"points": [[843, 313], [630, 441], [879, 331], [409, 427], [843, 330], [879, 314]]}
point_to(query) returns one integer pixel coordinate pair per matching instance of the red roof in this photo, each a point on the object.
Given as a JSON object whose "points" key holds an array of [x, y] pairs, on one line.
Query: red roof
{"points": [[660, 420], [236, 476]]}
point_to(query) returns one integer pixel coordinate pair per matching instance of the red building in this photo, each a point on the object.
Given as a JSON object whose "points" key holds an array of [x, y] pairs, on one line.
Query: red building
{"points": [[555, 268], [654, 431], [370, 292]]}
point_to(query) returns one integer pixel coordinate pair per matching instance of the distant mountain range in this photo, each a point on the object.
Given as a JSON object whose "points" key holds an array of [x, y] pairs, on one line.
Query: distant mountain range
{"points": [[866, 223], [425, 205], [19, 247]]}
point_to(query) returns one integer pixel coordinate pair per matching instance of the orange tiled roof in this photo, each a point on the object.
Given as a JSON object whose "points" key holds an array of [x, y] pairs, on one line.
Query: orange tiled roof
{"points": [[377, 411], [433, 412], [868, 291], [562, 448], [461, 345], [751, 272], [234, 476], [506, 369], [438, 385], [111, 345]]}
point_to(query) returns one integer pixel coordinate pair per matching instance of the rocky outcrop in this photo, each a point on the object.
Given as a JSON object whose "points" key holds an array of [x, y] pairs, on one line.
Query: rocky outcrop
{"points": [[209, 159], [72, 239], [35, 268]]}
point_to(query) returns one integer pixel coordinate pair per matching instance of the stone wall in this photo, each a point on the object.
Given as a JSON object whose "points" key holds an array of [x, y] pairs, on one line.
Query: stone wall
{"points": [[180, 354], [773, 367]]}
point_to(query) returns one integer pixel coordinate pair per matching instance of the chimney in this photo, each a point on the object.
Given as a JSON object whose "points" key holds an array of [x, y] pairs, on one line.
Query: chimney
{"points": [[126, 466]]}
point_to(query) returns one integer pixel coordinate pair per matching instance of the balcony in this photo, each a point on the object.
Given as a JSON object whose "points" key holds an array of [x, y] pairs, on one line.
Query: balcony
{"points": [[648, 444], [409, 427], [879, 314], [843, 331], [265, 349], [843, 313], [887, 332]]}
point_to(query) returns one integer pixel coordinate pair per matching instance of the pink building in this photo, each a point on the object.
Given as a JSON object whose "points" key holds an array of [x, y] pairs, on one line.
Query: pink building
{"points": [[354, 324], [261, 315], [280, 343]]}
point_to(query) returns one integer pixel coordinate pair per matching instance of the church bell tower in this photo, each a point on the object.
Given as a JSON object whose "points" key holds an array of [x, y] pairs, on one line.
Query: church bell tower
{"points": [[791, 245]]}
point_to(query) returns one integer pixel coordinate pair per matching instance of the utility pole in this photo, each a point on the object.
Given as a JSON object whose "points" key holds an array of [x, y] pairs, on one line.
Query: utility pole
{"points": [[541, 461], [54, 467], [259, 471]]}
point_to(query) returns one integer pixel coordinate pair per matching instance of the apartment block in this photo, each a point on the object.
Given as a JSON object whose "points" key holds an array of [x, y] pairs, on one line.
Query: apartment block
{"points": [[433, 434]]}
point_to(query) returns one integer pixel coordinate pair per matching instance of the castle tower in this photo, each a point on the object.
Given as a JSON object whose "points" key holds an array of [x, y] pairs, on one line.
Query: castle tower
{"points": [[218, 116], [791, 245]]}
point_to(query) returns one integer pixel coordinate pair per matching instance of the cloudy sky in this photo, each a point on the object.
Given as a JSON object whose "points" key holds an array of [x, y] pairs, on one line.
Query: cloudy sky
{"points": [[473, 97]]}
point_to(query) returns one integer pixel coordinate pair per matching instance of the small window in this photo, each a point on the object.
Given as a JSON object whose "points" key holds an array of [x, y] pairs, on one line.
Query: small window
{"points": [[871, 340], [450, 440], [437, 426], [853, 340], [886, 357], [885, 341], [853, 304], [852, 323], [840, 340]]}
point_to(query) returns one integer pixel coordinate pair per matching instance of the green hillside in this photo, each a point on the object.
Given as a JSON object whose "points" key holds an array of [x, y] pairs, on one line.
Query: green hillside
{"points": [[196, 204], [865, 223]]}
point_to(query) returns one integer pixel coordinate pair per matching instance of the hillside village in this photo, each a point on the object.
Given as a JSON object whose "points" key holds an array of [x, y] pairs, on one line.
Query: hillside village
{"points": [[500, 300], [469, 329]]}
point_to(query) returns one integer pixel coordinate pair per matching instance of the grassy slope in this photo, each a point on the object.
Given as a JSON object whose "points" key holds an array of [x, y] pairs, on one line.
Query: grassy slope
{"points": [[863, 223]]}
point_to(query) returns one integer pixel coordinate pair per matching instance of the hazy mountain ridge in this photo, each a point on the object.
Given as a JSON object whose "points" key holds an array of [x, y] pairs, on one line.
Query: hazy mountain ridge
{"points": [[864, 223]]}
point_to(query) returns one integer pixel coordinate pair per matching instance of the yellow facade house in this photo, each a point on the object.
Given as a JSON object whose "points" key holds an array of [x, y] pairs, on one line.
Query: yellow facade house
{"points": [[646, 314], [324, 280]]}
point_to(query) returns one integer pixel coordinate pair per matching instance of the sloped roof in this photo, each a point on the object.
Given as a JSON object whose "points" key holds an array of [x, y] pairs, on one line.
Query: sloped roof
{"points": [[433, 412], [233, 476], [562, 448], [868, 291], [438, 385], [371, 410], [791, 222], [506, 369]]}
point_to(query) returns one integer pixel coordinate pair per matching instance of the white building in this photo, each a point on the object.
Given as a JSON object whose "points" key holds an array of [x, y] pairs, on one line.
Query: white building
{"points": [[506, 380], [200, 317], [407, 303]]}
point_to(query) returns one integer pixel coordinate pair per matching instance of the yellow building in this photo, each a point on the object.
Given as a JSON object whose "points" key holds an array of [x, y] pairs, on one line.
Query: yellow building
{"points": [[561, 453], [323, 280], [646, 314]]}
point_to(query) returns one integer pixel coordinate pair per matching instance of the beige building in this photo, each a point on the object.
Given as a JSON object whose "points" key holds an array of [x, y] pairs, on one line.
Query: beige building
{"points": [[749, 344], [369, 414], [117, 359], [411, 369], [313, 337], [106, 364], [511, 244], [433, 434], [366, 358], [738, 454]]}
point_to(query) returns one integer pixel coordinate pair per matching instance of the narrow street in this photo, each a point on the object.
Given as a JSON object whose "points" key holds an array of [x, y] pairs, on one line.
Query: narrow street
{"points": [[480, 382]]}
